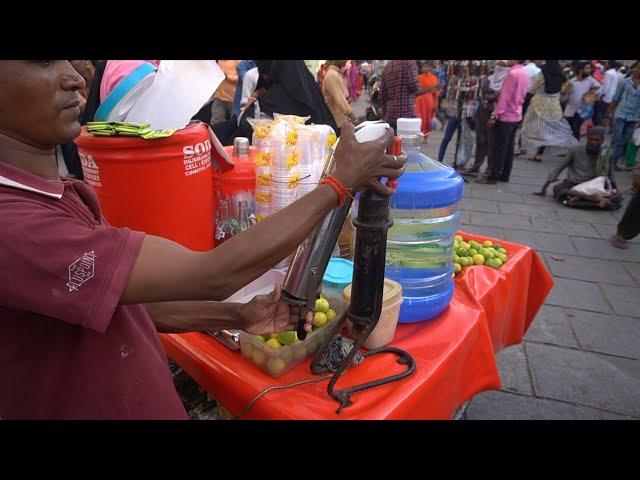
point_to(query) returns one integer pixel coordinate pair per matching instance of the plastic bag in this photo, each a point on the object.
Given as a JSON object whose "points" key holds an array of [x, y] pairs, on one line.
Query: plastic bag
{"points": [[180, 88], [435, 124], [598, 186], [636, 137]]}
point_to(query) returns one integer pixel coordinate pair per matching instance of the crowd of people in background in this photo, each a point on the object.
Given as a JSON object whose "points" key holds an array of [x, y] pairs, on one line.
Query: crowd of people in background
{"points": [[497, 109]]}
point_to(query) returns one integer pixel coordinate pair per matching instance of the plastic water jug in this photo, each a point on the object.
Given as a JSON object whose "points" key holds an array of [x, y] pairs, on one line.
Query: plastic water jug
{"points": [[425, 215]]}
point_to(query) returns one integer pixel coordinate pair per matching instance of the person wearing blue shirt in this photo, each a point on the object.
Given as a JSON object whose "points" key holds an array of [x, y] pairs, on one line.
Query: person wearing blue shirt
{"points": [[243, 67], [626, 105]]}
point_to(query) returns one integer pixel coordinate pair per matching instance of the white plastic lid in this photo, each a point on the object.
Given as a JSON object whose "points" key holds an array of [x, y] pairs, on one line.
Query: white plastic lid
{"points": [[371, 131], [409, 126]]}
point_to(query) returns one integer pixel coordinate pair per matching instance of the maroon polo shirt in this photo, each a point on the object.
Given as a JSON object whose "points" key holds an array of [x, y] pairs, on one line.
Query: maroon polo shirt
{"points": [[67, 348]]}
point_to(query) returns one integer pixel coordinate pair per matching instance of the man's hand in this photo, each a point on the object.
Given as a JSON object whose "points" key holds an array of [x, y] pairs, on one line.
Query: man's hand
{"points": [[271, 314], [543, 190], [491, 122], [361, 165]]}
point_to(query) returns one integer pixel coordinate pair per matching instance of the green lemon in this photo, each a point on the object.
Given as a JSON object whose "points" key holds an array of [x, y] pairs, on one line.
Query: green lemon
{"points": [[497, 246], [473, 252], [502, 257], [478, 259], [320, 319], [258, 356], [458, 238], [457, 268], [275, 366], [475, 245], [273, 343], [322, 305], [456, 259], [487, 243], [287, 338], [331, 314], [502, 250]]}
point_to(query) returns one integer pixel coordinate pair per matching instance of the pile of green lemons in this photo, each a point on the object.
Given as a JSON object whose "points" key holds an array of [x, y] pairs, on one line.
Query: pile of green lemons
{"points": [[469, 253]]}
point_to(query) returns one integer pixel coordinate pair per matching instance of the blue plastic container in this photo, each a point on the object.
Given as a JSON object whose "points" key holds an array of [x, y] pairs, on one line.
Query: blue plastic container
{"points": [[425, 219], [337, 276]]}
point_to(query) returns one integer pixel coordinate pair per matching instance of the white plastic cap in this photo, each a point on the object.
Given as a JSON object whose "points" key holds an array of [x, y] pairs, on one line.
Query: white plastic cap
{"points": [[409, 126], [371, 131]]}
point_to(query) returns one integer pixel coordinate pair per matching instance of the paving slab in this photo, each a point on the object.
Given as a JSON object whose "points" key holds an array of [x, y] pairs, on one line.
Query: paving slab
{"points": [[501, 220], [608, 334], [542, 242], [555, 225], [600, 248], [578, 294], [479, 205], [625, 300], [498, 405], [491, 194], [533, 211], [634, 270], [585, 378], [600, 217], [512, 365], [589, 269], [551, 325]]}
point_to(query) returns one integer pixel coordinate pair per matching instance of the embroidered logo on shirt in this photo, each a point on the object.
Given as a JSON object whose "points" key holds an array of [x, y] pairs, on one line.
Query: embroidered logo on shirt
{"points": [[81, 270]]}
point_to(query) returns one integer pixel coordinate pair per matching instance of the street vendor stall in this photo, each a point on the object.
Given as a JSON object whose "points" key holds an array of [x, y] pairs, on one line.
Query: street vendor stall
{"points": [[454, 354]]}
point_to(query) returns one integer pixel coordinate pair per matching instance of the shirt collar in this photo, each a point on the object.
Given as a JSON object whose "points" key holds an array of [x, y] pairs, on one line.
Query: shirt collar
{"points": [[11, 176]]}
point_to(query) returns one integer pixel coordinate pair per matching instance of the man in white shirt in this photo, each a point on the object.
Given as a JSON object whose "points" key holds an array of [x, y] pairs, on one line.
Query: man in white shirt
{"points": [[607, 90], [580, 85], [249, 83]]}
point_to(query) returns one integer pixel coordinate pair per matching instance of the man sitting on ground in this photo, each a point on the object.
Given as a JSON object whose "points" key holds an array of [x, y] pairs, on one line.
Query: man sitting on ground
{"points": [[584, 163]]}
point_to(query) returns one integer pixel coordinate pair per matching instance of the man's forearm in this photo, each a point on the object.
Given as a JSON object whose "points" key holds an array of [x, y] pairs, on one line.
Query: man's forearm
{"points": [[182, 317]]}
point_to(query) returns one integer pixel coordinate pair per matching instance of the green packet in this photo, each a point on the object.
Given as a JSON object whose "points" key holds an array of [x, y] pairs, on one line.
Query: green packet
{"points": [[158, 134]]}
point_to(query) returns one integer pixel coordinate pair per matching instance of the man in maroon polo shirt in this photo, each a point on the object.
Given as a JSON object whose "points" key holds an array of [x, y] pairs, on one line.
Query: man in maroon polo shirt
{"points": [[81, 301]]}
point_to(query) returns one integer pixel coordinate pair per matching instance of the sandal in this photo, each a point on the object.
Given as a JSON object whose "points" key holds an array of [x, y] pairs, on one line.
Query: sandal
{"points": [[536, 158]]}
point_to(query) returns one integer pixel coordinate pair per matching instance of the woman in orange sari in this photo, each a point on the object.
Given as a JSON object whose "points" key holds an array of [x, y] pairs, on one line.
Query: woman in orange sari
{"points": [[427, 101]]}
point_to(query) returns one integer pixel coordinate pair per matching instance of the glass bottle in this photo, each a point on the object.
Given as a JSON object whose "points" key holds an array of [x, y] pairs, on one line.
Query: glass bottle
{"points": [[243, 209], [227, 227]]}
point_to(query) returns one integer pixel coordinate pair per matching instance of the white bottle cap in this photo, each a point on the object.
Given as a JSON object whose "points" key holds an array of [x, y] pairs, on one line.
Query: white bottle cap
{"points": [[409, 126]]}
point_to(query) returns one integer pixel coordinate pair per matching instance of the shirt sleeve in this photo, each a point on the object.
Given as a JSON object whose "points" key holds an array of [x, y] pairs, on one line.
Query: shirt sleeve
{"points": [[505, 92], [53, 264], [412, 72], [249, 85], [557, 170], [619, 92]]}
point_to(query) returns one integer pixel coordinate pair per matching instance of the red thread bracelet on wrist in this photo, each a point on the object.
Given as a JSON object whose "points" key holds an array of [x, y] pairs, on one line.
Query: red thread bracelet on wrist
{"points": [[337, 185]]}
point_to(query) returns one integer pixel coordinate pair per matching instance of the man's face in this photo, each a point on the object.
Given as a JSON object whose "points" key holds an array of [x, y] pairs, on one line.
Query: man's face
{"points": [[340, 63], [586, 71], [594, 142], [39, 101]]}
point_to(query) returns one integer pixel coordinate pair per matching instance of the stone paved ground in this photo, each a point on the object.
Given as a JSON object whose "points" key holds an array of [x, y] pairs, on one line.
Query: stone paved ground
{"points": [[580, 358]]}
